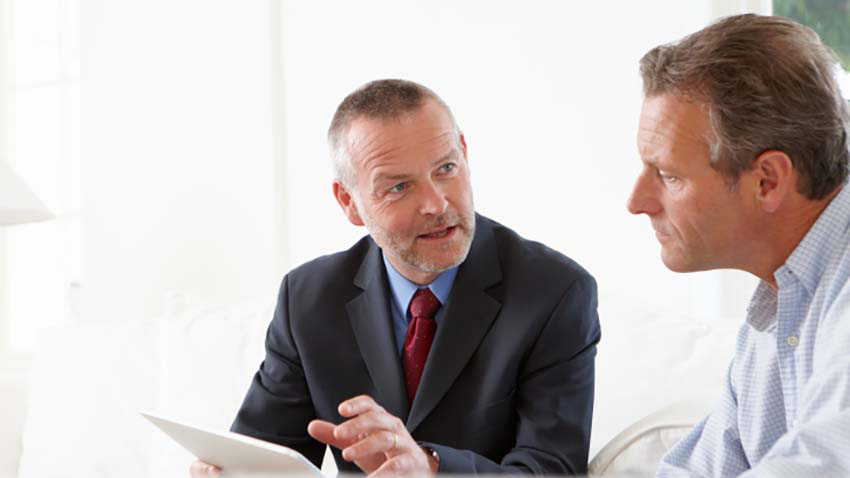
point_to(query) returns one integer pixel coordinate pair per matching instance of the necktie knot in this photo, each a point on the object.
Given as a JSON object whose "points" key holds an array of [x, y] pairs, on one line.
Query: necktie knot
{"points": [[424, 304]]}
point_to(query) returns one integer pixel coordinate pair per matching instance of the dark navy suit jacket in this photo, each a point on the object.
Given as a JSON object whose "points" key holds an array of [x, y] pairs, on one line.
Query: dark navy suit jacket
{"points": [[508, 385]]}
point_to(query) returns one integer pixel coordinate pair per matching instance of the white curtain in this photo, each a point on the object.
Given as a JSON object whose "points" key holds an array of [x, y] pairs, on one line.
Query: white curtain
{"points": [[148, 128]]}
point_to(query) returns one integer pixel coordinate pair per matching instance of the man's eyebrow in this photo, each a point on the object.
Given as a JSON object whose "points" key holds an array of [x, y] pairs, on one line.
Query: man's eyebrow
{"points": [[649, 161], [384, 177], [450, 155], [661, 164]]}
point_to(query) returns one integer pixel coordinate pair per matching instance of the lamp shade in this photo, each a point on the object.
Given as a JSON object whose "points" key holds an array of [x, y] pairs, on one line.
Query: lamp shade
{"points": [[18, 204]]}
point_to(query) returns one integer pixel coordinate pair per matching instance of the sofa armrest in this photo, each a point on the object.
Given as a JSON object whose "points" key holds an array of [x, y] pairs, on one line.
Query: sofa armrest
{"points": [[637, 450], [13, 409]]}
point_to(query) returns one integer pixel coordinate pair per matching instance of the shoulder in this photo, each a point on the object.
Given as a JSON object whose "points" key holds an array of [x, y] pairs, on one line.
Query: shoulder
{"points": [[332, 272], [527, 261], [831, 304], [545, 296]]}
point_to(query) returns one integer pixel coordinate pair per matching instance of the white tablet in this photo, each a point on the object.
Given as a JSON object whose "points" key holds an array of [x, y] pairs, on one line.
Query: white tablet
{"points": [[235, 454]]}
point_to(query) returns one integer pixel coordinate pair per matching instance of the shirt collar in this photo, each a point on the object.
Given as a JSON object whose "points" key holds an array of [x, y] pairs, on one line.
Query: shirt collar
{"points": [[761, 313], [403, 289], [808, 260], [805, 264]]}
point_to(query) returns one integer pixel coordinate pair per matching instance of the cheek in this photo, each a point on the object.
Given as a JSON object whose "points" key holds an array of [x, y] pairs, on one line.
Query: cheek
{"points": [[706, 221], [461, 189], [387, 210], [397, 216], [379, 210], [683, 216]]}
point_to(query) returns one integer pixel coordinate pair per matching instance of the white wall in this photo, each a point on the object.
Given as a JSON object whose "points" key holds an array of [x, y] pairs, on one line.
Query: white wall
{"points": [[33, 81], [177, 154], [148, 129]]}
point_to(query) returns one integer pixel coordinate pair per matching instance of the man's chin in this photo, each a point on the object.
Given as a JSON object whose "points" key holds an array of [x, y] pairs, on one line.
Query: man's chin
{"points": [[438, 265], [443, 259], [677, 263]]}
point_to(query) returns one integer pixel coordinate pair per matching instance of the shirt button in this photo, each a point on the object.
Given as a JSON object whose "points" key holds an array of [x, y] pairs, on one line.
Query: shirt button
{"points": [[793, 340]]}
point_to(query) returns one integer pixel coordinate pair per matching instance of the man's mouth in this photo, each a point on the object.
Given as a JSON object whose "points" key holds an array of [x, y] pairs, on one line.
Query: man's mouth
{"points": [[440, 233], [660, 231]]}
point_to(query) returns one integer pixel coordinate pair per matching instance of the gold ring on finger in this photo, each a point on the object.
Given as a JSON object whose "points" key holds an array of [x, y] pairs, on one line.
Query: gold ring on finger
{"points": [[395, 441]]}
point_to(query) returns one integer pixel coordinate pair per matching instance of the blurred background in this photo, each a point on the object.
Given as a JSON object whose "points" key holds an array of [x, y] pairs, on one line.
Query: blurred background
{"points": [[180, 145]]}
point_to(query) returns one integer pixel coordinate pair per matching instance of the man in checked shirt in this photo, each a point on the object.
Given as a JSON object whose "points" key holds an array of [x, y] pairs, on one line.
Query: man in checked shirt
{"points": [[744, 141]]}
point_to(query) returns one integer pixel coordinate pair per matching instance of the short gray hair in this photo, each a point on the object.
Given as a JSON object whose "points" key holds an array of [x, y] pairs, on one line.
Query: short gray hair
{"points": [[380, 99], [768, 83]]}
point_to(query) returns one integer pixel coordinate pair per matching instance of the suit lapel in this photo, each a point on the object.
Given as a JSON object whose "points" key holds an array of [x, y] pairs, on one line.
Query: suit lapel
{"points": [[469, 313], [372, 324]]}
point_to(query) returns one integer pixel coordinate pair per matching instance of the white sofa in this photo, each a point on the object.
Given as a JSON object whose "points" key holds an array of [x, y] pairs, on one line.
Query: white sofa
{"points": [[635, 451], [12, 413], [88, 382]]}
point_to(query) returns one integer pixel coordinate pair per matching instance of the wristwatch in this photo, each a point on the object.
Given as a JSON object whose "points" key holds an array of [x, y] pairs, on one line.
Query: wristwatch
{"points": [[432, 453]]}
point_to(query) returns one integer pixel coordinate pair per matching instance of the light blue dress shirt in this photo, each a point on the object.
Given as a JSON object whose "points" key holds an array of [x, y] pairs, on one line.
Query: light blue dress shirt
{"points": [[785, 409], [402, 291]]}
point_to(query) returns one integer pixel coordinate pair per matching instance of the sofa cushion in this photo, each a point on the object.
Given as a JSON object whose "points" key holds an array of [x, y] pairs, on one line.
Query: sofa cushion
{"points": [[86, 386], [207, 357]]}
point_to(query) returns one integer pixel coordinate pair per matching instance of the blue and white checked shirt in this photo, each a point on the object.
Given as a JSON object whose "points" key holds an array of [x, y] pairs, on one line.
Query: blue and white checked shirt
{"points": [[785, 409]]}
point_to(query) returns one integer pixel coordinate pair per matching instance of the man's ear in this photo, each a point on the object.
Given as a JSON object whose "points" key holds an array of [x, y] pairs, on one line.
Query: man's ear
{"points": [[346, 202], [776, 179], [463, 146]]}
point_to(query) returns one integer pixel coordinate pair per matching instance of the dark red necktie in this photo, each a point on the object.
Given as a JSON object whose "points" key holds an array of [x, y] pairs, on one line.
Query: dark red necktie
{"points": [[420, 335]]}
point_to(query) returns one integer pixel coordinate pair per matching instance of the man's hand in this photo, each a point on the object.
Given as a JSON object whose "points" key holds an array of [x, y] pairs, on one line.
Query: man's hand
{"points": [[374, 440], [200, 469]]}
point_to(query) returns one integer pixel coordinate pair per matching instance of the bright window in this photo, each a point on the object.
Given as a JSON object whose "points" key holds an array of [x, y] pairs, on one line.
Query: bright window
{"points": [[831, 19], [40, 110]]}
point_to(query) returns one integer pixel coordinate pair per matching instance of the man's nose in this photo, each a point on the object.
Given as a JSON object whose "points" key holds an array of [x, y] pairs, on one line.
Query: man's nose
{"points": [[643, 200], [433, 200]]}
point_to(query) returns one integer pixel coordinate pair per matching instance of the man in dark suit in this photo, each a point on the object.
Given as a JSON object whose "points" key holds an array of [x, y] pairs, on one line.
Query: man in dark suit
{"points": [[441, 342]]}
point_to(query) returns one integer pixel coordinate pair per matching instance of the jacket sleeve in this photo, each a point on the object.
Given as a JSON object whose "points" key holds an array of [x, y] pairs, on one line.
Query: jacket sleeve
{"points": [[554, 396], [277, 407]]}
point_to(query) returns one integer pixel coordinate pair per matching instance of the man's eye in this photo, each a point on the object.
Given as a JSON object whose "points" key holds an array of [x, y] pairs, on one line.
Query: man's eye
{"points": [[667, 178], [398, 188], [447, 168]]}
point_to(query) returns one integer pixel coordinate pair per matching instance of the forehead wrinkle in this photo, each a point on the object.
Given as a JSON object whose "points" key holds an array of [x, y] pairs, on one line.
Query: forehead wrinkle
{"points": [[367, 148], [649, 140], [373, 148], [377, 157], [679, 137], [687, 121]]}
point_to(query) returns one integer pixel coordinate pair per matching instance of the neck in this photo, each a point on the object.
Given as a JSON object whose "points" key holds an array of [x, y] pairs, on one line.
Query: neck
{"points": [[422, 279], [785, 232], [415, 275]]}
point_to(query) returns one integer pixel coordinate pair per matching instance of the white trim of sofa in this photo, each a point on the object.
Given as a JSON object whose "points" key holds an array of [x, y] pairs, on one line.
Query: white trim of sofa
{"points": [[684, 413]]}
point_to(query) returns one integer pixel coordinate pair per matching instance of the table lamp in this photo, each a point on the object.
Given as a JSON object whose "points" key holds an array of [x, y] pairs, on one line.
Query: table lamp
{"points": [[18, 204]]}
